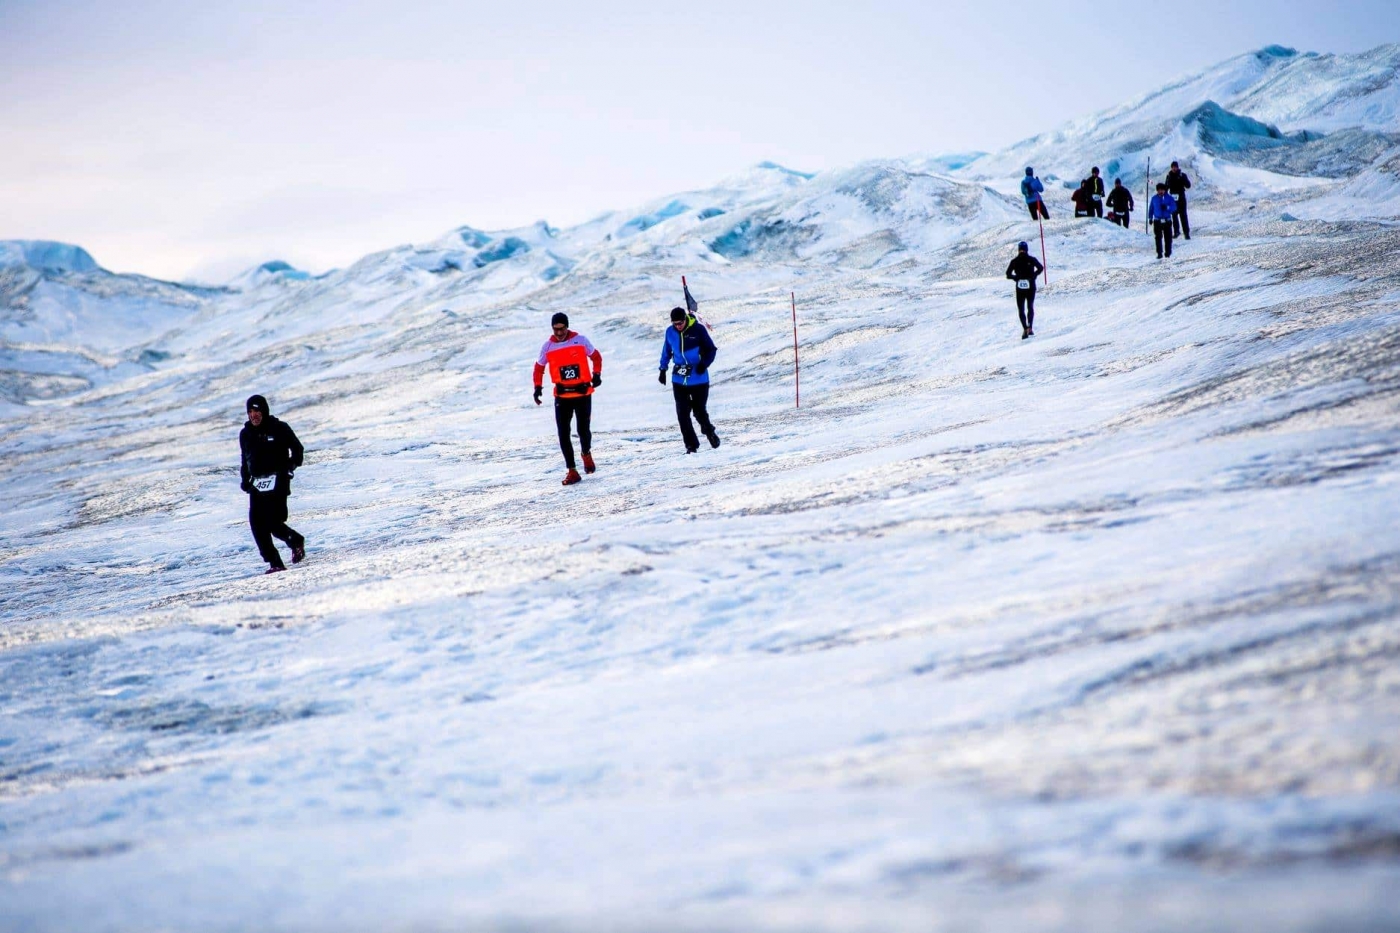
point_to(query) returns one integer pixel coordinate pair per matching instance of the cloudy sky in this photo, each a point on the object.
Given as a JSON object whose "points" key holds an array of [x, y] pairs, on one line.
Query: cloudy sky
{"points": [[194, 140]]}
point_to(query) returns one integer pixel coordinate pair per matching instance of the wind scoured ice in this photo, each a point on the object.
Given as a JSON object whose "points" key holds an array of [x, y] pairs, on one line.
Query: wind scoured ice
{"points": [[1093, 631]]}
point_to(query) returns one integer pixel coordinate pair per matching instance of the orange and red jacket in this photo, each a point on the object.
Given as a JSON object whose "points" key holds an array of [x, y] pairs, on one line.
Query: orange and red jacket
{"points": [[567, 361]]}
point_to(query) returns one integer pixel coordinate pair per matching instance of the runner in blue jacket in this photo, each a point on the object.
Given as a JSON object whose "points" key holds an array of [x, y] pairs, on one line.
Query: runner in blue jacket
{"points": [[688, 344], [1031, 190], [1161, 211]]}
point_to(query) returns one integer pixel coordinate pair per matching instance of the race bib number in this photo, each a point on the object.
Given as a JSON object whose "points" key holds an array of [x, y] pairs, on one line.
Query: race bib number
{"points": [[265, 483], [1098, 197], [1023, 284], [569, 373], [682, 370]]}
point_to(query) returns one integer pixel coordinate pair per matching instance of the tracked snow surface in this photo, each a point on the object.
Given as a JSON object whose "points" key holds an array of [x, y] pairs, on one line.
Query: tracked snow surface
{"points": [[1093, 631]]}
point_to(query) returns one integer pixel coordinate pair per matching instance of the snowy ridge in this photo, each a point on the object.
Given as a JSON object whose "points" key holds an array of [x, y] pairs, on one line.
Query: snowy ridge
{"points": [[1088, 631]]}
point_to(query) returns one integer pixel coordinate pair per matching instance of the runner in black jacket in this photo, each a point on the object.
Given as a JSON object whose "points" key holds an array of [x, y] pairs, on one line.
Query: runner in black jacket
{"points": [[1023, 271], [1095, 192], [1177, 183], [271, 452], [1120, 202]]}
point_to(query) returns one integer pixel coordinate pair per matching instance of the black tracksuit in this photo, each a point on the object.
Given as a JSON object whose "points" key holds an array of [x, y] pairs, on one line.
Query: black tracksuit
{"points": [[1177, 183], [1025, 268], [1120, 201], [271, 452]]}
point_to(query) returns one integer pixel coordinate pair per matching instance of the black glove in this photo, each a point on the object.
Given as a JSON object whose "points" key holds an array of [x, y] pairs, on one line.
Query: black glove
{"points": [[661, 377], [246, 486], [539, 390], [597, 380], [290, 474], [699, 370]]}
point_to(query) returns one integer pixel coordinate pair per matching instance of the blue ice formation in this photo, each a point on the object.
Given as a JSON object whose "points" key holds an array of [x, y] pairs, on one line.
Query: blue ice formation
{"points": [[1222, 131], [647, 221], [775, 167], [46, 256], [505, 249]]}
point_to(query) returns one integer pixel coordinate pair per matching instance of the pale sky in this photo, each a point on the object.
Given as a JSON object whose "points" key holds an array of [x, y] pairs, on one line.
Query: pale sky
{"points": [[187, 140]]}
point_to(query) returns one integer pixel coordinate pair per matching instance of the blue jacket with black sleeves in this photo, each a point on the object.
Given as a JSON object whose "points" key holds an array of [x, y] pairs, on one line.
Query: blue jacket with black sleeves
{"points": [[692, 350]]}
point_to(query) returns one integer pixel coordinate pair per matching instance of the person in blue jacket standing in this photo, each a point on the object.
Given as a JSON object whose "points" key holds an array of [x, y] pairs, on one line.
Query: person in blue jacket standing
{"points": [[1161, 211], [1031, 190], [689, 346]]}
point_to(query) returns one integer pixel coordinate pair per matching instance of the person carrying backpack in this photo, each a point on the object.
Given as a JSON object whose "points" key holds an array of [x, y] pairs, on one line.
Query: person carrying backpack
{"points": [[688, 344], [1095, 192], [1177, 183], [1023, 271], [1160, 212], [1031, 190], [1120, 202]]}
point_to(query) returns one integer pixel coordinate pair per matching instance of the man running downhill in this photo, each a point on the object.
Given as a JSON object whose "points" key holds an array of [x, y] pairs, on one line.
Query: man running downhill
{"points": [[688, 343], [567, 354]]}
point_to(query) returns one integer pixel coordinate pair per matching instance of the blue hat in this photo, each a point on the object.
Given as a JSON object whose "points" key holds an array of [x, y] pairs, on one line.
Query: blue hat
{"points": [[1023, 246], [1029, 170]]}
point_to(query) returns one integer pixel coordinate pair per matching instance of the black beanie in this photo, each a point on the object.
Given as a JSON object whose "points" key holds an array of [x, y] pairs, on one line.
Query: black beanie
{"points": [[257, 403], [559, 318], [677, 314]]}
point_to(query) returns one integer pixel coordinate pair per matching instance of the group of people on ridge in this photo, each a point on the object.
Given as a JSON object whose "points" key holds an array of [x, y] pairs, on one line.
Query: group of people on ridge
{"points": [[1166, 211], [1089, 200], [271, 451]]}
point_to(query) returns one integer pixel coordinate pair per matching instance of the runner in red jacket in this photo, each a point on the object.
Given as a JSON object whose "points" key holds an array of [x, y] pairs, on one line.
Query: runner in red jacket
{"points": [[567, 355]]}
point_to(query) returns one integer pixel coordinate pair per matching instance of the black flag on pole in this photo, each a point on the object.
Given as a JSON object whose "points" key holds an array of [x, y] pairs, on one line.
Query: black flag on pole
{"points": [[690, 304]]}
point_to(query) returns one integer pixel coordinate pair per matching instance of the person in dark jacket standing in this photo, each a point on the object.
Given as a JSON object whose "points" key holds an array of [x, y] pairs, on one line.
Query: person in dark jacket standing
{"points": [[1160, 212], [1083, 200], [1177, 183], [1120, 202], [1023, 271], [1031, 190], [271, 452], [1095, 192], [567, 356], [688, 344]]}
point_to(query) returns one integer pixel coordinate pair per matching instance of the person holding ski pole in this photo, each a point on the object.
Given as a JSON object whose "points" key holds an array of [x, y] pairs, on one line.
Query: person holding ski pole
{"points": [[1160, 212], [1177, 183], [688, 344], [1120, 202], [1095, 192], [567, 355], [270, 453], [1031, 190], [1023, 271]]}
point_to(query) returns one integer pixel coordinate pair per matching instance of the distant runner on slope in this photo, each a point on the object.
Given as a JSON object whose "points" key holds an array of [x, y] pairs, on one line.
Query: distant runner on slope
{"points": [[1095, 192], [688, 343], [1023, 271], [270, 452], [1177, 183], [1031, 190], [1120, 202], [566, 354], [1161, 211]]}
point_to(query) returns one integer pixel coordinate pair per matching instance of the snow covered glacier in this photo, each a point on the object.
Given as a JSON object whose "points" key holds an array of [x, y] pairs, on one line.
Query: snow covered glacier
{"points": [[1093, 631]]}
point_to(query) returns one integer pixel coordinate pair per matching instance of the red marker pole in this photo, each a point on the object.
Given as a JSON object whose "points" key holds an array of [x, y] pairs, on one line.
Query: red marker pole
{"points": [[1044, 265], [796, 373]]}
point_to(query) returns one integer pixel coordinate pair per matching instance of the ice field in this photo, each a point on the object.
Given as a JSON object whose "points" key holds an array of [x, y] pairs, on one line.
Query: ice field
{"points": [[1092, 631]]}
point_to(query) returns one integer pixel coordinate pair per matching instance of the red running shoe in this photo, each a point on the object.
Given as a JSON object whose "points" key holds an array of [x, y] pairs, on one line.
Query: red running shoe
{"points": [[572, 478], [275, 570], [298, 554], [588, 466]]}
